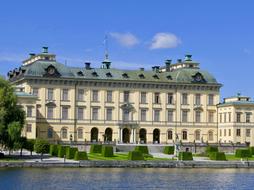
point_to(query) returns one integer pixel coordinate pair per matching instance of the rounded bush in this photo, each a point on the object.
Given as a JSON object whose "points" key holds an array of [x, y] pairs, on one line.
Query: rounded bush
{"points": [[243, 153], [70, 152], [107, 151], [80, 156], [142, 149], [185, 156], [41, 146], [211, 149], [135, 155], [61, 151], [53, 150], [217, 156], [95, 148], [169, 150]]}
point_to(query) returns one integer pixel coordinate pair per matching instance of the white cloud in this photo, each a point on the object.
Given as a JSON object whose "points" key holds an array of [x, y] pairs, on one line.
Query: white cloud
{"points": [[125, 39], [164, 40]]}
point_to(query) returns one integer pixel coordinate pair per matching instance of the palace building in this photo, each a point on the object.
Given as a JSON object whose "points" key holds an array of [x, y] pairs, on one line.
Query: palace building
{"points": [[69, 104]]}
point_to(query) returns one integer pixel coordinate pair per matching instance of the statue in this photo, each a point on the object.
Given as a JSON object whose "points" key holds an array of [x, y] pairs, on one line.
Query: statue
{"points": [[177, 145]]}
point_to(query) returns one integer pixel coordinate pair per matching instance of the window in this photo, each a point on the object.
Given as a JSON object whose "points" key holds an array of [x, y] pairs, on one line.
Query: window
{"points": [[157, 98], [38, 113], [80, 113], [64, 133], [238, 117], [198, 116], [210, 117], [210, 99], [197, 100], [109, 114], [50, 94], [170, 135], [184, 99], [229, 132], [80, 133], [50, 112], [29, 128], [143, 114], [225, 132], [220, 132], [81, 93], [210, 136], [126, 96], [95, 113], [50, 133], [247, 132], [184, 116], [109, 96], [248, 117], [197, 135], [170, 98], [170, 115], [65, 112], [184, 135], [238, 132], [229, 117], [143, 98], [35, 91], [29, 111], [156, 115], [225, 117], [220, 117], [95, 96], [65, 94], [126, 114]]}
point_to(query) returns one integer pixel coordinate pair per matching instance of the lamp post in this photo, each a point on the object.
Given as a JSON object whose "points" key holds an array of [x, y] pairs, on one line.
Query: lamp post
{"points": [[70, 139]]}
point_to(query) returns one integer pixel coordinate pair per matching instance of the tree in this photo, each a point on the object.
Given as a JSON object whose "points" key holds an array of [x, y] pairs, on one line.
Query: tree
{"points": [[20, 144], [41, 146], [30, 145]]}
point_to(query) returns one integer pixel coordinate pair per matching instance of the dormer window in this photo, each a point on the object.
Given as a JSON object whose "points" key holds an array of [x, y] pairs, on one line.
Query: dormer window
{"points": [[142, 76], [169, 77], [80, 73], [156, 76], [94, 74], [125, 75], [108, 74]]}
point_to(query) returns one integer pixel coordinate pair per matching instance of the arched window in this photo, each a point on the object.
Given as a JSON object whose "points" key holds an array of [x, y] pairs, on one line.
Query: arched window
{"points": [[64, 133], [184, 135], [170, 135], [80, 133], [50, 133], [210, 136], [197, 135]]}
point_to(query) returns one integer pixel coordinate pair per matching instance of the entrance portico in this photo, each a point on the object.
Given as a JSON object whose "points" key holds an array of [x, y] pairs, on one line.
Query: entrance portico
{"points": [[128, 133]]}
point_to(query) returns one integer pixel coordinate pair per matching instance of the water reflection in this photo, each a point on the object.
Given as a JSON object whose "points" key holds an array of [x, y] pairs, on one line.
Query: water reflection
{"points": [[122, 178]]}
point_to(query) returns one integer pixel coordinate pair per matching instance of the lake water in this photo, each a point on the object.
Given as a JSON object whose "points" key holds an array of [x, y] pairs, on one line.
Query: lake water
{"points": [[125, 178]]}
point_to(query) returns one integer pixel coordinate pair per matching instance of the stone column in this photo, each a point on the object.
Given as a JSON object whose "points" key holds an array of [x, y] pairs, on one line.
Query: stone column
{"points": [[120, 135]]}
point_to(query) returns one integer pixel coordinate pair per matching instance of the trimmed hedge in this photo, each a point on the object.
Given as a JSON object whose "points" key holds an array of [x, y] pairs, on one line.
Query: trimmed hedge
{"points": [[142, 149], [80, 156], [169, 150], [217, 156], [70, 152], [61, 151], [243, 153], [211, 149], [135, 155], [53, 150], [252, 150], [185, 156], [95, 148], [107, 151], [1, 155]]}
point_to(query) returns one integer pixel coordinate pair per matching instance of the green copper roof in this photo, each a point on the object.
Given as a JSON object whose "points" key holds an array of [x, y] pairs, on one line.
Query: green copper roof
{"points": [[237, 103], [184, 75]]}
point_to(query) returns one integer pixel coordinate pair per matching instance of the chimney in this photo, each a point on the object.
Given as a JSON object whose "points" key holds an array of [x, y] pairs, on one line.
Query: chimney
{"points": [[179, 60], [141, 69], [31, 54], [87, 65], [168, 63], [156, 68], [188, 57], [45, 49]]}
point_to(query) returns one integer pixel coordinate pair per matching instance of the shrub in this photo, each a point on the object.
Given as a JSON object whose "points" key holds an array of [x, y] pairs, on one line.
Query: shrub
{"points": [[95, 148], [135, 155], [30, 145], [252, 150], [148, 156], [169, 150], [185, 156], [53, 150], [107, 151], [242, 153], [80, 156], [61, 151], [70, 152], [1, 155], [217, 156], [41, 146], [142, 149], [211, 149]]}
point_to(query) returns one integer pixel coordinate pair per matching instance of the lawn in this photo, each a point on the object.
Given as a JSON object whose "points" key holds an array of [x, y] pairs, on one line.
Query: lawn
{"points": [[117, 156], [232, 157]]}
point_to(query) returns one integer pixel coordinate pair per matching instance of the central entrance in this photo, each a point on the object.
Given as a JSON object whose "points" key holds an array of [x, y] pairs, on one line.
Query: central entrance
{"points": [[126, 135]]}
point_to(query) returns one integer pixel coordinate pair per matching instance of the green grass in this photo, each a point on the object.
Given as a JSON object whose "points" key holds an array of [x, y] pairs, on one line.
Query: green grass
{"points": [[231, 157], [117, 156]]}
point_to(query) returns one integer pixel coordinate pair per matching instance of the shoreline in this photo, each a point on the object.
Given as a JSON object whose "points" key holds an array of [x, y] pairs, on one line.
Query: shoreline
{"points": [[130, 164]]}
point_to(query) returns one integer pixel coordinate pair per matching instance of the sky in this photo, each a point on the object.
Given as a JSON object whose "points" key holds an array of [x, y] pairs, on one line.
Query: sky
{"points": [[141, 33]]}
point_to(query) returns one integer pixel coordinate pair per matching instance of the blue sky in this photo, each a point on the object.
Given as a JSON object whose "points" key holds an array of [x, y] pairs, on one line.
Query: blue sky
{"points": [[219, 34]]}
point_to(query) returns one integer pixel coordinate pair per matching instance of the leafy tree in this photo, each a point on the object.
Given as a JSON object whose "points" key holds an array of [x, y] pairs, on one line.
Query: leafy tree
{"points": [[41, 146], [30, 145], [20, 144]]}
